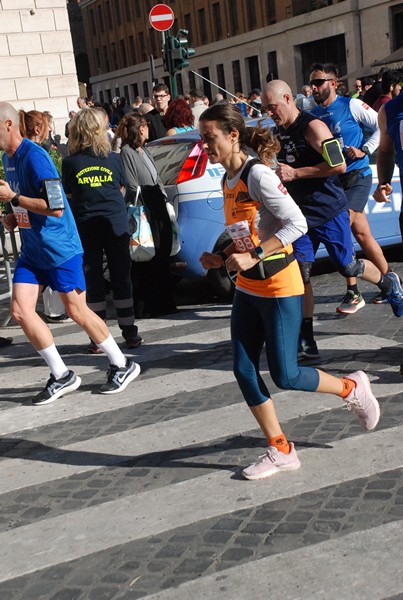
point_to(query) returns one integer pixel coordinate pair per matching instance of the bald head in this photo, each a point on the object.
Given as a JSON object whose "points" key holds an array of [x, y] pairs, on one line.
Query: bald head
{"points": [[8, 113], [278, 100], [10, 136], [278, 88]]}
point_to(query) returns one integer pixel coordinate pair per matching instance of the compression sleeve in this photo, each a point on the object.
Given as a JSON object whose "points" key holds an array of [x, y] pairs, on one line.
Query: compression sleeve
{"points": [[289, 223], [368, 118]]}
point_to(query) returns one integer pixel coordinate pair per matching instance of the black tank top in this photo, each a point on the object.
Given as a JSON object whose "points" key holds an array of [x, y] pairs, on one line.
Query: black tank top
{"points": [[321, 198]]}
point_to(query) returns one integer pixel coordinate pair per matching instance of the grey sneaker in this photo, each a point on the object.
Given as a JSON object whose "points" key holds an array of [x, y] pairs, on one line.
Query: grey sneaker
{"points": [[56, 388], [120, 377], [362, 401], [351, 303], [272, 462], [395, 295]]}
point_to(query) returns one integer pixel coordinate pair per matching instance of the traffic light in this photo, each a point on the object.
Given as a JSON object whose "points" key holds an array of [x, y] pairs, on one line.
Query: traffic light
{"points": [[180, 51]]}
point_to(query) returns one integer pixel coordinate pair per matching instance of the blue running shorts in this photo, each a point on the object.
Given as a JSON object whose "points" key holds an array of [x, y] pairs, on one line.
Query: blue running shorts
{"points": [[358, 194], [335, 235], [65, 278]]}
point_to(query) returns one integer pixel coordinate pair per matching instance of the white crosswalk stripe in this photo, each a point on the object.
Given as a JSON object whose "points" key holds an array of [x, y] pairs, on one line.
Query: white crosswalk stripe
{"points": [[34, 463]]}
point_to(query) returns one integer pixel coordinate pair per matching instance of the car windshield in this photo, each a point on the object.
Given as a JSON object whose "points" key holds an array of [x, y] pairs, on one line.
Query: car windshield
{"points": [[169, 159]]}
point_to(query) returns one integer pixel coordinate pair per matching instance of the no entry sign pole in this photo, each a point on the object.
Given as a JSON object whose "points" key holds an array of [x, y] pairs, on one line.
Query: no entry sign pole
{"points": [[162, 18]]}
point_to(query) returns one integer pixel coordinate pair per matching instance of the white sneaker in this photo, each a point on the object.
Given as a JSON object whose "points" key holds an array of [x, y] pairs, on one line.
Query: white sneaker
{"points": [[272, 462], [362, 401]]}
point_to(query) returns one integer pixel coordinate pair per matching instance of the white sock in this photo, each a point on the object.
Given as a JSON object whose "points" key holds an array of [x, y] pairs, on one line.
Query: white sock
{"points": [[114, 353], [54, 361]]}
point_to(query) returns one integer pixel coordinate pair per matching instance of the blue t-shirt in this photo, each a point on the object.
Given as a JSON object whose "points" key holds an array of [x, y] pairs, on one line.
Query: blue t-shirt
{"points": [[394, 125], [47, 242], [341, 122]]}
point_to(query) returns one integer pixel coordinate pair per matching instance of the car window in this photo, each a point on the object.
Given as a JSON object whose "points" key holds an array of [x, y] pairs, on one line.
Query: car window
{"points": [[169, 159]]}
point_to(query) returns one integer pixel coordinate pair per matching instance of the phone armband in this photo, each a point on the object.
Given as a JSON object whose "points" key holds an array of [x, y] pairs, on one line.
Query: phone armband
{"points": [[53, 193], [332, 152]]}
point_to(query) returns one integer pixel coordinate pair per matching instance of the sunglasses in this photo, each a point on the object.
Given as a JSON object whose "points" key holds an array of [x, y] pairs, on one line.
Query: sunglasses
{"points": [[319, 82]]}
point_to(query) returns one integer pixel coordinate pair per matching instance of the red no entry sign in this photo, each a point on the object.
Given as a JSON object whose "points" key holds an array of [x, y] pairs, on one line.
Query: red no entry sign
{"points": [[161, 17]]}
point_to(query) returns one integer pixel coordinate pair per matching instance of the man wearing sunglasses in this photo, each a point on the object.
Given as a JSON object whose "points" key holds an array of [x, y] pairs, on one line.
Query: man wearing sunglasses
{"points": [[346, 119], [311, 177]]}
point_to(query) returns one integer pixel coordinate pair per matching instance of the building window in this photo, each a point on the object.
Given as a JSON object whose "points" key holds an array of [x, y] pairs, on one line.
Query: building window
{"points": [[271, 12], [108, 14], [221, 78], [126, 92], [118, 12], [92, 22], [106, 58], [114, 57], [132, 49], [137, 6], [233, 15], [143, 53], [254, 72], [217, 20], [97, 61], [205, 72], [179, 84], [109, 96], [251, 15], [397, 21], [117, 91], [135, 90], [192, 80], [145, 90], [123, 55], [151, 36], [236, 74], [128, 12], [100, 19], [187, 19], [272, 66], [101, 97], [202, 25], [331, 50]]}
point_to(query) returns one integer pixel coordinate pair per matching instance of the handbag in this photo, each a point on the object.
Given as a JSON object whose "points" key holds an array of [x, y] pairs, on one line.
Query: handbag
{"points": [[141, 244], [176, 244]]}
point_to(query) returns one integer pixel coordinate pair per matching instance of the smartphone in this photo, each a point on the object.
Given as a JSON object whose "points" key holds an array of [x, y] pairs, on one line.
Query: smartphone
{"points": [[53, 193]]}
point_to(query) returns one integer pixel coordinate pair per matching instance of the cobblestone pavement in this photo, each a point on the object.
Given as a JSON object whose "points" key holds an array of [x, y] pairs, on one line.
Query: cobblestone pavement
{"points": [[140, 495]]}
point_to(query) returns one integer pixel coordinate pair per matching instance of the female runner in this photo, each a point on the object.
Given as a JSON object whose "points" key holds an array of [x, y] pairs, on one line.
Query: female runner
{"points": [[263, 221]]}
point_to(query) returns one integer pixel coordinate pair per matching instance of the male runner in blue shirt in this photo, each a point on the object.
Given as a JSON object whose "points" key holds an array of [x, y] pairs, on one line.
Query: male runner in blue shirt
{"points": [[51, 255], [347, 118]]}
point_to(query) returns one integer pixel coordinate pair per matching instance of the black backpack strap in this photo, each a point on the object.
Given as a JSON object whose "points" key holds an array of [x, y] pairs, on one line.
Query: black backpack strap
{"points": [[247, 168], [245, 172]]}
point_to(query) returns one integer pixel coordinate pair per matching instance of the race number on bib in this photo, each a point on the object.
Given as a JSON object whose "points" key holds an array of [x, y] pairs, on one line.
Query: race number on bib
{"points": [[241, 236], [22, 216]]}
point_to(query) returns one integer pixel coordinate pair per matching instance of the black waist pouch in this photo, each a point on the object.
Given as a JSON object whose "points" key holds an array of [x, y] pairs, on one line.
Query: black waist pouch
{"points": [[349, 179], [269, 267]]}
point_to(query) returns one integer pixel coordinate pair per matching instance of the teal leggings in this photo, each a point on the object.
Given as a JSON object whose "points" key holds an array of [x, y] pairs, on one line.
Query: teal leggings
{"points": [[275, 322]]}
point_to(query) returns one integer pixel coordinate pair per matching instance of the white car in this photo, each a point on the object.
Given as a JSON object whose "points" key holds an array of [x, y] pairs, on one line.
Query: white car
{"points": [[193, 186]]}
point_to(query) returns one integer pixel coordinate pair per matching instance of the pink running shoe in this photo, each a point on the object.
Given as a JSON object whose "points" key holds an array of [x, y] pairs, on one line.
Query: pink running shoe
{"points": [[362, 401], [272, 462]]}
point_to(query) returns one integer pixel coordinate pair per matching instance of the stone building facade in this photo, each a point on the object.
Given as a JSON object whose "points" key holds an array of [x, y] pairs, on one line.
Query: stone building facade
{"points": [[37, 66], [238, 42]]}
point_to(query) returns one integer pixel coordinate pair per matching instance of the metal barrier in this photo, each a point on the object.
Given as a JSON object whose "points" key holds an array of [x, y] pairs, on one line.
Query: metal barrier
{"points": [[8, 267]]}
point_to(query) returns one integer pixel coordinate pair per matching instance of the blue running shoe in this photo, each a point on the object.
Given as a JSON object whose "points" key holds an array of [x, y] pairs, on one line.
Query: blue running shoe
{"points": [[395, 295]]}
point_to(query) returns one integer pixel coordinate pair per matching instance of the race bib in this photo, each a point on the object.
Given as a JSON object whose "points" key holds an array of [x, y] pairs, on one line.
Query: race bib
{"points": [[241, 236], [22, 216]]}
